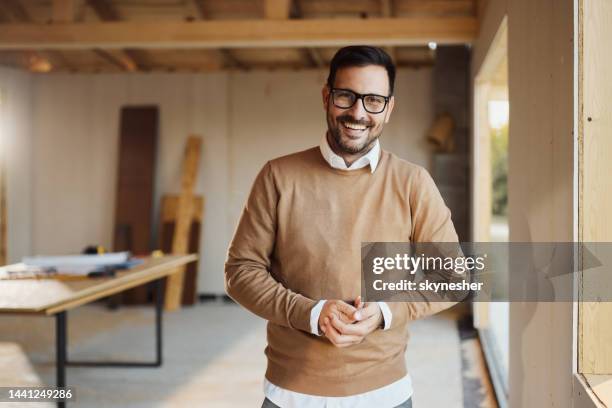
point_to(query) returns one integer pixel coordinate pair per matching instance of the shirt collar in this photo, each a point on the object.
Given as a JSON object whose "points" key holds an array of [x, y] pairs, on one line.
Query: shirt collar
{"points": [[371, 158]]}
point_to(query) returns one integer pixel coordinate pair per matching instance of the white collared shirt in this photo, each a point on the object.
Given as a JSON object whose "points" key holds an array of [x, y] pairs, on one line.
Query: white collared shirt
{"points": [[338, 162], [388, 396]]}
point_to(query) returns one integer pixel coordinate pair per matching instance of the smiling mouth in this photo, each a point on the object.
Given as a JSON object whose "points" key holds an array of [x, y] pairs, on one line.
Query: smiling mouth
{"points": [[354, 126]]}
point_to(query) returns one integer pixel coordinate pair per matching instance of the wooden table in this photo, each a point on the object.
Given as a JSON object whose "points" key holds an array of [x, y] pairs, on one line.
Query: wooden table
{"points": [[53, 297]]}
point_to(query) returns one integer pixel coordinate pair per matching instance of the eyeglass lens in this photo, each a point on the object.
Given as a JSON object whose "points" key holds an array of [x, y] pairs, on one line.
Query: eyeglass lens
{"points": [[344, 99]]}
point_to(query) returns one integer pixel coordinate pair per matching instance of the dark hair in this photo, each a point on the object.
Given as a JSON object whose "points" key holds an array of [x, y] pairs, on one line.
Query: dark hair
{"points": [[361, 56]]}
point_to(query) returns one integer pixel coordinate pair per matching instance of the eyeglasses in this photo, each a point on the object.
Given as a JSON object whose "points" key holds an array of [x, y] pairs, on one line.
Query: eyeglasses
{"points": [[345, 98]]}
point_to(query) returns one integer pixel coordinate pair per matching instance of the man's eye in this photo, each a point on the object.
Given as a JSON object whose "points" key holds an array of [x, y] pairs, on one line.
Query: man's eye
{"points": [[346, 95], [375, 99]]}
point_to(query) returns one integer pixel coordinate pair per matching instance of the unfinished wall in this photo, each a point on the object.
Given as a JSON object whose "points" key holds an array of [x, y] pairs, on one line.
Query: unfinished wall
{"points": [[244, 118], [541, 182], [16, 143]]}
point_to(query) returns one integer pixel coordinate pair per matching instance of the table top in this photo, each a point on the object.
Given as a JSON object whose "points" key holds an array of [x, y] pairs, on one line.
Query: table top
{"points": [[50, 296]]}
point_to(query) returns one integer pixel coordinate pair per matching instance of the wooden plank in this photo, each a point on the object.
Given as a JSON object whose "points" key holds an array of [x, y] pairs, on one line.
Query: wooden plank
{"points": [[170, 205], [226, 55], [169, 211], [48, 296], [387, 11], [104, 10], [240, 33], [277, 9], [281, 10], [318, 8], [135, 186], [595, 200], [436, 7], [198, 6], [63, 11], [35, 61], [15, 9], [128, 59], [117, 58], [174, 284]]}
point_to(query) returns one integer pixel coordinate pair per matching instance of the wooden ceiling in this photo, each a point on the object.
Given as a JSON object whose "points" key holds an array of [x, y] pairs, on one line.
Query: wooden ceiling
{"points": [[208, 35]]}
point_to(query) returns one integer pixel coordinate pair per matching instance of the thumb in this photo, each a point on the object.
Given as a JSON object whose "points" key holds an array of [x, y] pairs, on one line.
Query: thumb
{"points": [[358, 315], [358, 302]]}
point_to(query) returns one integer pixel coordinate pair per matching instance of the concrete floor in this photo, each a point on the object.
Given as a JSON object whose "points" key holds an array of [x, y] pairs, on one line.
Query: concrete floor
{"points": [[213, 357]]}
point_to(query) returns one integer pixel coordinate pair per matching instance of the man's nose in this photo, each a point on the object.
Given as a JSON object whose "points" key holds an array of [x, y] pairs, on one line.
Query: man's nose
{"points": [[357, 111]]}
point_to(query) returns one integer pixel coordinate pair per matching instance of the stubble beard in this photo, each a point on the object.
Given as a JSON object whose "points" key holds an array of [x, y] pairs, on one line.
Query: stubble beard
{"points": [[336, 134]]}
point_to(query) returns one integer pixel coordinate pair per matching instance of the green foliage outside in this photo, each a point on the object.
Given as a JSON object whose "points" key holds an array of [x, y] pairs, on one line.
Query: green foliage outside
{"points": [[499, 170]]}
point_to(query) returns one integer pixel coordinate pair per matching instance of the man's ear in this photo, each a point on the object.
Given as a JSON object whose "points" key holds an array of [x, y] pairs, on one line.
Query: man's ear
{"points": [[325, 95], [389, 108]]}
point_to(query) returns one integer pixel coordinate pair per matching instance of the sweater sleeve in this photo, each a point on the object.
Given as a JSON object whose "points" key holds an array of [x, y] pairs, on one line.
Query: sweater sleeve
{"points": [[247, 269], [431, 222]]}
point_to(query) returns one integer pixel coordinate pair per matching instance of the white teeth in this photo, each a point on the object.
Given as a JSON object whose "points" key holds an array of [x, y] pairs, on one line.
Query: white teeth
{"points": [[355, 126]]}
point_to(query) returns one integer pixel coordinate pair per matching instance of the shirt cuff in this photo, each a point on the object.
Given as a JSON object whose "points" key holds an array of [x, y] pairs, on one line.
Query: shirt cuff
{"points": [[387, 315], [315, 313]]}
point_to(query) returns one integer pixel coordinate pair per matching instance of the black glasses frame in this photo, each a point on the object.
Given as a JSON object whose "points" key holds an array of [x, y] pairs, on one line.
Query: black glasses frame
{"points": [[357, 97]]}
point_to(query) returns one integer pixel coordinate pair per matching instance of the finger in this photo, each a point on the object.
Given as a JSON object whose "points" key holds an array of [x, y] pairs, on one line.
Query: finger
{"points": [[341, 339], [345, 308], [354, 329], [358, 302], [323, 326], [370, 309]]}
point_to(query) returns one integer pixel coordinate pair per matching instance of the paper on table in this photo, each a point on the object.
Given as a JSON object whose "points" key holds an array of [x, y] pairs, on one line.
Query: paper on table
{"points": [[77, 262]]}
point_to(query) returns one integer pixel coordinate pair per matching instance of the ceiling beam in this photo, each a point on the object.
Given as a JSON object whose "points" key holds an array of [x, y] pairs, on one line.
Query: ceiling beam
{"points": [[387, 11], [127, 59], [118, 58], [282, 10], [15, 10], [198, 5], [315, 57], [63, 11], [35, 61], [230, 60], [277, 9], [240, 33], [104, 10]]}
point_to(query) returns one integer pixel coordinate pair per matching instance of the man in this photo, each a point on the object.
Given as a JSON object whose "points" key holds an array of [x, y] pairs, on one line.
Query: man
{"points": [[295, 257]]}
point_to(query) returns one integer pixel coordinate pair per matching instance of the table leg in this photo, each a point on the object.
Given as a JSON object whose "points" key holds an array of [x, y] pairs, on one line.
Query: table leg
{"points": [[159, 310], [157, 362], [60, 349]]}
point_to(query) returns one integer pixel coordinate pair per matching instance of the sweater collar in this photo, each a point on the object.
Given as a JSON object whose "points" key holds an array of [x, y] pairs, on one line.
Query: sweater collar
{"points": [[371, 158]]}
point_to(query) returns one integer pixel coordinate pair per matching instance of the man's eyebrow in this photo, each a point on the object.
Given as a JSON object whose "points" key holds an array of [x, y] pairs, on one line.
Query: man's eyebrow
{"points": [[361, 93]]}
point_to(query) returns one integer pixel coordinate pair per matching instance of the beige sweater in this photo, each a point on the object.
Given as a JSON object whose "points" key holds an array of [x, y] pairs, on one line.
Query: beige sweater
{"points": [[299, 240]]}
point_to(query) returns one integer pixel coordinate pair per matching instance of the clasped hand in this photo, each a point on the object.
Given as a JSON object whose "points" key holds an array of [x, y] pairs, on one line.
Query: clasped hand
{"points": [[345, 325]]}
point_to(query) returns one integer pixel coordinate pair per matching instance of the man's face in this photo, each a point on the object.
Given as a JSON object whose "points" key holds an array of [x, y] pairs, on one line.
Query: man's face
{"points": [[354, 130]]}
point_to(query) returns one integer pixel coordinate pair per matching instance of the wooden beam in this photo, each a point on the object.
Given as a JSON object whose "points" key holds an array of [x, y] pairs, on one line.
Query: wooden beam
{"points": [[35, 61], [277, 9], [226, 55], [315, 57], [282, 10], [63, 11], [117, 58], [104, 10], [198, 5], [230, 60], [240, 33], [180, 242], [387, 8], [128, 59], [15, 10], [387, 11]]}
